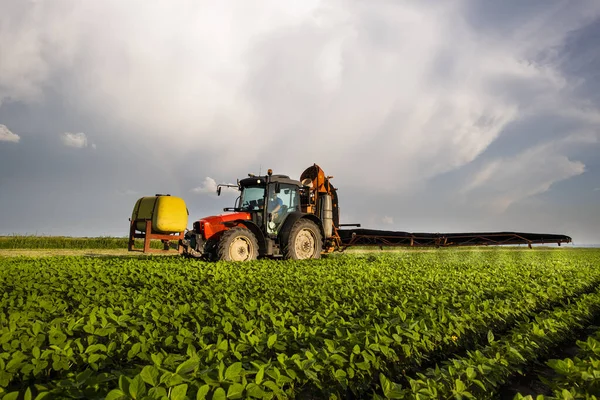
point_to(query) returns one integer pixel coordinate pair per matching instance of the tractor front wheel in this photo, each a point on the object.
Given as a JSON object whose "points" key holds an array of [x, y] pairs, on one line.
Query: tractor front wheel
{"points": [[304, 241], [237, 244]]}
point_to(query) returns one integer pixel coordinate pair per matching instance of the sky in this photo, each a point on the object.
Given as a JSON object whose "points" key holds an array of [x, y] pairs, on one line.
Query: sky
{"points": [[432, 116]]}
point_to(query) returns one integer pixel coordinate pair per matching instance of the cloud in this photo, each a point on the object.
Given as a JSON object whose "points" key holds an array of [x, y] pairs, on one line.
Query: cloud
{"points": [[7, 136], [597, 189], [77, 140], [503, 181], [387, 94], [387, 220], [210, 186]]}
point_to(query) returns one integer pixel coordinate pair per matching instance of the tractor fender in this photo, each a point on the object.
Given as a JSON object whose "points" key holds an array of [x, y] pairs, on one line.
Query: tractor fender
{"points": [[252, 227], [291, 220]]}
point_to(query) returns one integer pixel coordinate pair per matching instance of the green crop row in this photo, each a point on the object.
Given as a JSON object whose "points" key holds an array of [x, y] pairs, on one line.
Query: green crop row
{"points": [[577, 377], [61, 242], [480, 372], [335, 328]]}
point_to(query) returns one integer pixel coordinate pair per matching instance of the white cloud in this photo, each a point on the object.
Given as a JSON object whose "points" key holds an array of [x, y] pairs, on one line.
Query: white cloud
{"points": [[387, 220], [210, 186], [388, 94], [77, 140], [7, 136]]}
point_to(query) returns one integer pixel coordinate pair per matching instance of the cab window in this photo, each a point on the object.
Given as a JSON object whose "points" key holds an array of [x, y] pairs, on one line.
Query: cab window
{"points": [[253, 198], [289, 196]]}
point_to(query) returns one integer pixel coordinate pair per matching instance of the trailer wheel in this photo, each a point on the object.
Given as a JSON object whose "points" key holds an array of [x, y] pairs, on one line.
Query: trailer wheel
{"points": [[237, 244], [304, 241]]}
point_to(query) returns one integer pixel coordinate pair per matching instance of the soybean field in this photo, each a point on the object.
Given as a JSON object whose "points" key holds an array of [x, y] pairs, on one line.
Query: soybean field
{"points": [[438, 324]]}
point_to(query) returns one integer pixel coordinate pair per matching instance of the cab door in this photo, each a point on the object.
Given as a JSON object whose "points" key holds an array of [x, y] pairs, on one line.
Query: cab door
{"points": [[288, 198]]}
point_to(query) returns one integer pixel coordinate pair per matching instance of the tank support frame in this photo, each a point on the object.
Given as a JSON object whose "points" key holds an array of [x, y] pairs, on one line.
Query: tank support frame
{"points": [[149, 235]]}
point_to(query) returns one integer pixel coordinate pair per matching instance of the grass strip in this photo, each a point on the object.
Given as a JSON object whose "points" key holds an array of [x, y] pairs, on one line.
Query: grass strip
{"points": [[66, 242]]}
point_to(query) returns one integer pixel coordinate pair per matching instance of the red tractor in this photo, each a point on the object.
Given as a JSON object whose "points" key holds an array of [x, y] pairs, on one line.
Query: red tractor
{"points": [[274, 216]]}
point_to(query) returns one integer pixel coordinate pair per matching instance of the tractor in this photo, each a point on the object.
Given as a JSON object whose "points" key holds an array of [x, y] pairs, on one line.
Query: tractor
{"points": [[273, 216]]}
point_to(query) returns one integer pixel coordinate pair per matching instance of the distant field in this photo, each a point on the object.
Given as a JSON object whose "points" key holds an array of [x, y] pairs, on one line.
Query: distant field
{"points": [[106, 242], [65, 242], [448, 323]]}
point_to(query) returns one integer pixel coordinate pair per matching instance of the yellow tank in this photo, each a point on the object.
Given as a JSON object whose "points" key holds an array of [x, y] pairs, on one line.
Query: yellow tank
{"points": [[169, 214]]}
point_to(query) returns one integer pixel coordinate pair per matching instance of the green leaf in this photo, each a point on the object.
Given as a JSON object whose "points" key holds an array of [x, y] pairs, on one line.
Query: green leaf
{"points": [[202, 392], [124, 383], [150, 375], [135, 349], [272, 340], [490, 337], [233, 371], [27, 395], [187, 366], [174, 380], [114, 394], [93, 358], [253, 390], [235, 391], [158, 392], [385, 383], [365, 366], [260, 375], [137, 388], [179, 392], [566, 395], [37, 327], [219, 394], [273, 386], [222, 346], [157, 359], [471, 373], [460, 386]]}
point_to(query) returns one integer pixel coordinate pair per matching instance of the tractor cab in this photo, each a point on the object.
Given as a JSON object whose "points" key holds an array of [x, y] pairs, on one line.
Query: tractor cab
{"points": [[269, 200]]}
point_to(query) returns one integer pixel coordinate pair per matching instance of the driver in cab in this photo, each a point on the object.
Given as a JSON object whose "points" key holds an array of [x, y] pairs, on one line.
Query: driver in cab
{"points": [[275, 204]]}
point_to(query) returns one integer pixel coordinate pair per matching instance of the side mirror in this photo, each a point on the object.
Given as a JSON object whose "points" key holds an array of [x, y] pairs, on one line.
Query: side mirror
{"points": [[219, 191]]}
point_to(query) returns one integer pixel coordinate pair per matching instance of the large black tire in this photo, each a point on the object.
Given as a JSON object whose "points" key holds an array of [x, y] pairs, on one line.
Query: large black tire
{"points": [[237, 244], [210, 250], [304, 241]]}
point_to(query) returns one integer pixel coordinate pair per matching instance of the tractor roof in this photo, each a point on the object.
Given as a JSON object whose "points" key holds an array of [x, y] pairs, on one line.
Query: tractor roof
{"points": [[262, 180]]}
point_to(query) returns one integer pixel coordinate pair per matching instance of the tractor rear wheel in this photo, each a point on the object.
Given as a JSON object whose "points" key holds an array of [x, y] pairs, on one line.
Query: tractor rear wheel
{"points": [[304, 241], [237, 244]]}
